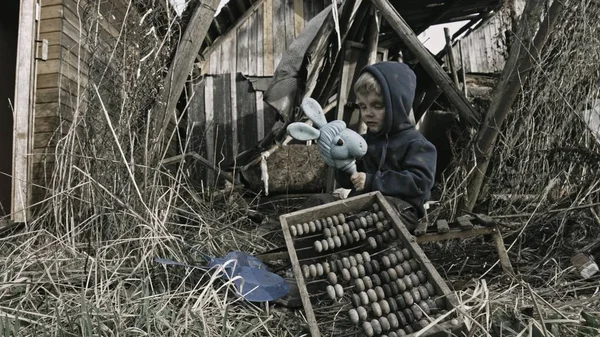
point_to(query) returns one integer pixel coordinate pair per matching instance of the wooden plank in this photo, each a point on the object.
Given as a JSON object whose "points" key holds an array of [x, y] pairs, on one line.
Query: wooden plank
{"points": [[246, 114], [226, 60], [464, 223], [259, 53], [456, 234], [215, 61], [421, 228], [252, 44], [197, 117], [209, 108], [260, 116], [23, 111], [298, 17], [289, 22], [51, 25], [52, 12], [233, 102], [222, 118], [268, 39], [467, 113], [279, 45]]}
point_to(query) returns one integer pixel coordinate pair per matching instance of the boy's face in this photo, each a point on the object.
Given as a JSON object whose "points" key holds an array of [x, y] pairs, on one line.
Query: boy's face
{"points": [[372, 110]]}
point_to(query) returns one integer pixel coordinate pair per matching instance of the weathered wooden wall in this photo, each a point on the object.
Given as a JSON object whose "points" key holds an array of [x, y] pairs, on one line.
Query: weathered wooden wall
{"points": [[227, 111]]}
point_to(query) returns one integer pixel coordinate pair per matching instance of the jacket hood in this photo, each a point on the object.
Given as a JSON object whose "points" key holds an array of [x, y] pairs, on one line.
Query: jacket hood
{"points": [[398, 83]]}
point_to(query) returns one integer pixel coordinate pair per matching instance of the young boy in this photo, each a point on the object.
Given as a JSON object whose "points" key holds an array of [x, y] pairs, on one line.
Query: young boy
{"points": [[400, 162]]}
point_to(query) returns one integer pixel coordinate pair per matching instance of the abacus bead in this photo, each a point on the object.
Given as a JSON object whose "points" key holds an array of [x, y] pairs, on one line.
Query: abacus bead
{"points": [[332, 278], [362, 235], [340, 229], [361, 270], [359, 284], [359, 259], [401, 318], [357, 223], [368, 282], [334, 231], [408, 329], [313, 270], [346, 228], [386, 261], [376, 309], [408, 299], [440, 303], [393, 259], [313, 226], [431, 305], [346, 240], [380, 227], [306, 227], [414, 265], [349, 238], [380, 214], [329, 221], [372, 295], [362, 313], [393, 304], [342, 218], [326, 268], [407, 280], [430, 289], [376, 280], [423, 323], [401, 285], [366, 257], [406, 267], [330, 292], [424, 293], [387, 290], [393, 234], [385, 323], [355, 299], [399, 270], [346, 275], [372, 242], [353, 261], [406, 253], [327, 232], [376, 207], [395, 289], [368, 329], [386, 237], [422, 277], [337, 241], [375, 265], [305, 271], [354, 272], [409, 315], [293, 231], [392, 334], [368, 268], [364, 298], [393, 274], [385, 277], [423, 305], [318, 246], [415, 280], [363, 222], [300, 229], [339, 291], [380, 293], [346, 262], [331, 243], [385, 307], [325, 245], [370, 221], [319, 225], [393, 319], [401, 302], [376, 327], [400, 256], [375, 217], [352, 226], [335, 220], [353, 316], [417, 312], [379, 239]]}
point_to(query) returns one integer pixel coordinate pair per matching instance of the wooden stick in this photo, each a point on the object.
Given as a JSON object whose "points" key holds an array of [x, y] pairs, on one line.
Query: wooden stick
{"points": [[467, 113], [201, 160], [451, 59]]}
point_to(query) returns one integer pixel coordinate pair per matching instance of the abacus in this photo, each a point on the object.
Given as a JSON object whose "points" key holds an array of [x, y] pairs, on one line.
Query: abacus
{"points": [[360, 272]]}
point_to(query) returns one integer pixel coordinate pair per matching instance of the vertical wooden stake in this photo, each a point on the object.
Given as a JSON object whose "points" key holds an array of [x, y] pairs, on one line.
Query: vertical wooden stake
{"points": [[451, 59]]}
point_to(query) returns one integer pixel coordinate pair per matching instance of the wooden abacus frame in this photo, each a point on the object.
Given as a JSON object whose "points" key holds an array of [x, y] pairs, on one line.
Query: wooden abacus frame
{"points": [[355, 205]]}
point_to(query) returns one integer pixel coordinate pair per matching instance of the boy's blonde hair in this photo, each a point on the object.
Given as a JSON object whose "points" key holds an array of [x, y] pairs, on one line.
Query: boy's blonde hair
{"points": [[367, 84]]}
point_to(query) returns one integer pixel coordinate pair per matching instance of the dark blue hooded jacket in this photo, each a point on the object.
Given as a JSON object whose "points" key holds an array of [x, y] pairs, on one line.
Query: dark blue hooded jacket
{"points": [[399, 162]]}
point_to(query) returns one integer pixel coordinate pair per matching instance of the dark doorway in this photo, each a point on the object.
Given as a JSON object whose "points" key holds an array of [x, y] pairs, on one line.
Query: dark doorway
{"points": [[9, 28]]}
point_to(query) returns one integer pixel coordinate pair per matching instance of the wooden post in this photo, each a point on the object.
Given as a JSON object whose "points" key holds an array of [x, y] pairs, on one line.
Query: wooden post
{"points": [[463, 71], [466, 112], [523, 51], [451, 59], [182, 64]]}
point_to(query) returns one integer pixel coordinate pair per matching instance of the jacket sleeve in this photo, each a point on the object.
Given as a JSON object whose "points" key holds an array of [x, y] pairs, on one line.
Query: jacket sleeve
{"points": [[414, 177]]}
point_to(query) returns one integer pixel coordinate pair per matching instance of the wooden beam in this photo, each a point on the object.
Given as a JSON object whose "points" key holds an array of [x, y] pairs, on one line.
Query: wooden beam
{"points": [[182, 64], [523, 51], [466, 112], [194, 155]]}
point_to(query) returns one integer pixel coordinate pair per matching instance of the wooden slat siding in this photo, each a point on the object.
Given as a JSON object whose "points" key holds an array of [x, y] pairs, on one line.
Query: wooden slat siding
{"points": [[246, 114], [242, 48], [289, 22], [197, 117], [215, 61], [259, 44], [279, 45], [209, 109], [233, 100], [268, 38], [260, 116], [252, 42], [222, 118], [298, 17]]}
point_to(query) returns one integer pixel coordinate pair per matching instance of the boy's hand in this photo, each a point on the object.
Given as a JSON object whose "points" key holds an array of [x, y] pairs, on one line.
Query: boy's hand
{"points": [[358, 180]]}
